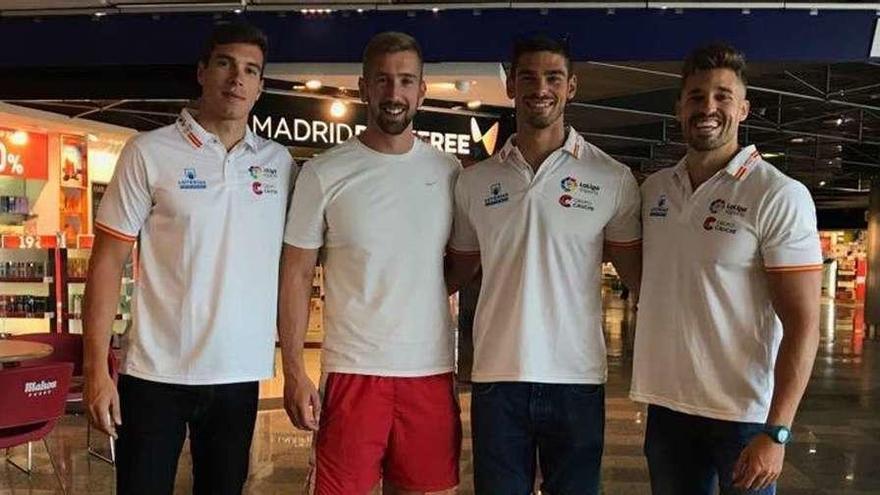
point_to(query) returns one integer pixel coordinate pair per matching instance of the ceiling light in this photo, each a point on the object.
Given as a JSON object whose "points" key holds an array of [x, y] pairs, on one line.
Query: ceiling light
{"points": [[92, 137], [474, 104], [100, 14], [360, 11], [338, 109], [462, 86], [314, 84], [237, 11], [19, 138], [798, 140], [435, 10], [822, 183]]}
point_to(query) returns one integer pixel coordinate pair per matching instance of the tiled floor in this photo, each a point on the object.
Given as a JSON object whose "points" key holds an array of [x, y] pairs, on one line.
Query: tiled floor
{"points": [[836, 448]]}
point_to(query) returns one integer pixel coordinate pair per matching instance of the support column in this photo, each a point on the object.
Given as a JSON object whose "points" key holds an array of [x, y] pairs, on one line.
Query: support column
{"points": [[872, 292]]}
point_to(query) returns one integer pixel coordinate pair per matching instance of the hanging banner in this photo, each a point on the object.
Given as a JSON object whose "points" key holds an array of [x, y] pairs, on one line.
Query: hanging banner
{"points": [[24, 154]]}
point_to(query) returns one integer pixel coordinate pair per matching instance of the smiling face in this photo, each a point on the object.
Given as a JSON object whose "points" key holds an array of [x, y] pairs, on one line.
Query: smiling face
{"points": [[711, 106], [231, 81], [541, 86], [393, 89]]}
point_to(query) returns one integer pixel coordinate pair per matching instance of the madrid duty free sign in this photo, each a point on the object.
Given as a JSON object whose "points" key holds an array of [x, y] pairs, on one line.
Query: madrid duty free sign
{"points": [[304, 121]]}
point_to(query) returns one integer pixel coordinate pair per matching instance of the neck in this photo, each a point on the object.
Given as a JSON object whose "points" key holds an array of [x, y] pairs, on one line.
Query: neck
{"points": [[230, 132], [390, 144], [701, 165], [537, 144]]}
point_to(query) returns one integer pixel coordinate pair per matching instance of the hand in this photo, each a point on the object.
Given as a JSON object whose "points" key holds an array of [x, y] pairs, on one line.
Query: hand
{"points": [[102, 403], [302, 402], [759, 464]]}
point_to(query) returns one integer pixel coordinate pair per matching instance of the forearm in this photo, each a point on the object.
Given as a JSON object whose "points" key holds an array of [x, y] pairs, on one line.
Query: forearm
{"points": [[628, 264], [293, 319], [794, 363], [796, 299], [99, 313]]}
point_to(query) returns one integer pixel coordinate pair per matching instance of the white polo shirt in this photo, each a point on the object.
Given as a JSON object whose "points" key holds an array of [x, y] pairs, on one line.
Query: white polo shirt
{"points": [[210, 226], [707, 334], [540, 237], [382, 222]]}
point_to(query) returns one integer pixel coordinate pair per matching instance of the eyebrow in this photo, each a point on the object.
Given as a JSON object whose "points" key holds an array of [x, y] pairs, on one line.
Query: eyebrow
{"points": [[401, 74], [722, 89], [552, 72], [230, 58]]}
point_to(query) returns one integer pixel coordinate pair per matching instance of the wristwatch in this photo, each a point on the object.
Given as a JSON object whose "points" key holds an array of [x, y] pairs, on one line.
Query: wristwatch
{"points": [[777, 433]]}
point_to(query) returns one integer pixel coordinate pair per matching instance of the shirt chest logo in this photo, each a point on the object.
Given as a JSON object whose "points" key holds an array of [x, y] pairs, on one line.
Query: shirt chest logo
{"points": [[713, 224], [569, 201], [190, 180], [265, 179], [722, 207], [661, 209], [571, 184], [496, 195]]}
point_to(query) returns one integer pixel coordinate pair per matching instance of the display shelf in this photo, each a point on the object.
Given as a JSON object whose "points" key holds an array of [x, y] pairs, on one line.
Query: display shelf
{"points": [[26, 280], [27, 316]]}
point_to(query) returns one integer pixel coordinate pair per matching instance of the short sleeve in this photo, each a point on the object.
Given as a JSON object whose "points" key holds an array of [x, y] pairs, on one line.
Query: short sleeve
{"points": [[305, 217], [127, 202], [464, 237], [625, 227], [789, 236]]}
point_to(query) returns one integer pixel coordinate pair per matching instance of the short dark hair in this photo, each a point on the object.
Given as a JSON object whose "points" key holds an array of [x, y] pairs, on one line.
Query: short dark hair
{"points": [[390, 42], [236, 32], [714, 56], [540, 43]]}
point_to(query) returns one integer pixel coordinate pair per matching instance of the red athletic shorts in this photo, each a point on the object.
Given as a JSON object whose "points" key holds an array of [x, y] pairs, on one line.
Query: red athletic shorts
{"points": [[406, 431]]}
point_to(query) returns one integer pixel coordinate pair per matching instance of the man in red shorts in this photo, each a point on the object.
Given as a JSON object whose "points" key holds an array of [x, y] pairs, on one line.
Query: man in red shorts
{"points": [[379, 209]]}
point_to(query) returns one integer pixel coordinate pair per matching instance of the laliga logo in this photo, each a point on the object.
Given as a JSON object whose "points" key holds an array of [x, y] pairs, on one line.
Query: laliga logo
{"points": [[717, 205], [569, 184], [489, 139], [255, 171]]}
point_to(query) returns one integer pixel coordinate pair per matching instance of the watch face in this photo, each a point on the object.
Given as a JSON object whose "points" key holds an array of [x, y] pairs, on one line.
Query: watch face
{"points": [[783, 435]]}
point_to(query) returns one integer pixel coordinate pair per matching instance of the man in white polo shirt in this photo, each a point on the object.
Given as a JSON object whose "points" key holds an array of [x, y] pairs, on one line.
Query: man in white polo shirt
{"points": [[379, 209], [728, 318], [539, 215], [206, 199]]}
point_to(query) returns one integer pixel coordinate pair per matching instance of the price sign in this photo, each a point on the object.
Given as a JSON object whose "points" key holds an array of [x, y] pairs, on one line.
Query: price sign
{"points": [[29, 241]]}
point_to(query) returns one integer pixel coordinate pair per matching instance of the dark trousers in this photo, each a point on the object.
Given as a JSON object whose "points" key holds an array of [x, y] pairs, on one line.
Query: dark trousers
{"points": [[155, 418], [692, 455], [562, 424]]}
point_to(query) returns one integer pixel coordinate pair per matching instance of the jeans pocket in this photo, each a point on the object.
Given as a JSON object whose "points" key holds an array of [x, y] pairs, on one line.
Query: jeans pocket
{"points": [[482, 389], [580, 390]]}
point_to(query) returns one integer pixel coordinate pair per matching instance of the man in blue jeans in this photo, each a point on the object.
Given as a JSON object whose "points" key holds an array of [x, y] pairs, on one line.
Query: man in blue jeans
{"points": [[729, 315], [538, 216]]}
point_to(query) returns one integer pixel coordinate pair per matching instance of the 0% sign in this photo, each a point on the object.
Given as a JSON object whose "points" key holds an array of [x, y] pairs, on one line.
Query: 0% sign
{"points": [[10, 163]]}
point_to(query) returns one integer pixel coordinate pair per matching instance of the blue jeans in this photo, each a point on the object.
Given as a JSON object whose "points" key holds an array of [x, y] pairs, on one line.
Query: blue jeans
{"points": [[562, 425], [693, 454]]}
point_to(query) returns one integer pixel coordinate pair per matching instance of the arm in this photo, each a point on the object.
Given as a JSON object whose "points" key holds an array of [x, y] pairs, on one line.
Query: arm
{"points": [[796, 299], [301, 398], [628, 263], [460, 268], [99, 311]]}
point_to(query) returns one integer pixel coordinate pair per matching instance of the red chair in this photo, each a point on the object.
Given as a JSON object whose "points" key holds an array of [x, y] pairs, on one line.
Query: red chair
{"points": [[33, 400], [67, 347]]}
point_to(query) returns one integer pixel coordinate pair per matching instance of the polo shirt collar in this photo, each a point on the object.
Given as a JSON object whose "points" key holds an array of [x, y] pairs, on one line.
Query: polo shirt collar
{"points": [[743, 163], [574, 145], [739, 167], [197, 136]]}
